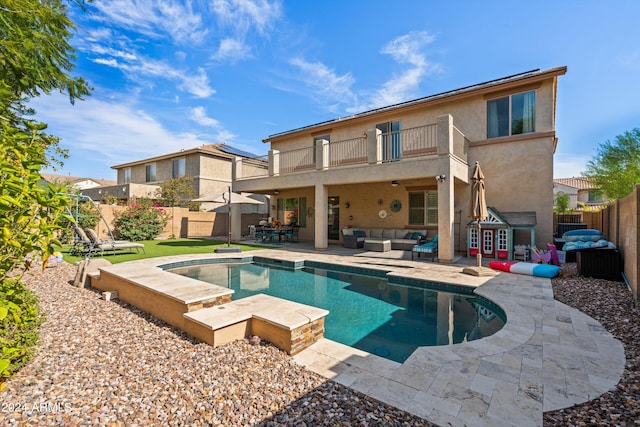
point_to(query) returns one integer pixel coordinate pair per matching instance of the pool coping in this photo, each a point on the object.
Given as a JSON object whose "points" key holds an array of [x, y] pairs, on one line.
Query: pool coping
{"points": [[547, 356]]}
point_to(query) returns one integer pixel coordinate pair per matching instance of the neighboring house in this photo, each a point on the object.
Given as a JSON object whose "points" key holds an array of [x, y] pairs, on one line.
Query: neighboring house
{"points": [[210, 166], [77, 182], [408, 165], [580, 191]]}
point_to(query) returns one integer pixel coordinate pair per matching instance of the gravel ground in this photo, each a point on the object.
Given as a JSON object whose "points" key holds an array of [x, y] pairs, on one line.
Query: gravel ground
{"points": [[611, 304], [108, 363]]}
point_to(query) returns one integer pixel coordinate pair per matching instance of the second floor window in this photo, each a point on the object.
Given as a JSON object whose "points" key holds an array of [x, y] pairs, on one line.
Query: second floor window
{"points": [[595, 196], [127, 175], [423, 208], [511, 115], [179, 168], [150, 173], [391, 144]]}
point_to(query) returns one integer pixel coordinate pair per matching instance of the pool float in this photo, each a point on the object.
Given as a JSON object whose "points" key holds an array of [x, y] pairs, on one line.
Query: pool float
{"points": [[529, 268]]}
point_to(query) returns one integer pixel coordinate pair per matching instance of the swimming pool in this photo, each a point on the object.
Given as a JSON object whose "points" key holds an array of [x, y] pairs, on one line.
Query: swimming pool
{"points": [[387, 316]]}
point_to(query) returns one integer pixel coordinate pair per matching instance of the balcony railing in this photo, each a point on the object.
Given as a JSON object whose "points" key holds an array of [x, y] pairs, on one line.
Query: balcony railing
{"points": [[297, 160], [460, 144], [348, 152], [373, 148], [412, 142], [255, 167]]}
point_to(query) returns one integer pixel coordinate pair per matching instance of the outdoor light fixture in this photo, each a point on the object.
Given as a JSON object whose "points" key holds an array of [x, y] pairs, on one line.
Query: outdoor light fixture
{"points": [[394, 183], [441, 178], [347, 204], [276, 192]]}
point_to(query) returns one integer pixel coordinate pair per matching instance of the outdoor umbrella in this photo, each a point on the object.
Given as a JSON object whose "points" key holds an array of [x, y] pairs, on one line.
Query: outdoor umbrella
{"points": [[478, 212], [228, 198]]}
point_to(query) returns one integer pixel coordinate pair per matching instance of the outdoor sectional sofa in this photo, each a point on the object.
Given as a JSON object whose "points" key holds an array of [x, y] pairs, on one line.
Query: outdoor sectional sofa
{"points": [[400, 238]]}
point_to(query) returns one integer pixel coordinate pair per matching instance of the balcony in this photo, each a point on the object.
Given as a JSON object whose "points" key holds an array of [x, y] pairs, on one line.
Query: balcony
{"points": [[372, 148]]}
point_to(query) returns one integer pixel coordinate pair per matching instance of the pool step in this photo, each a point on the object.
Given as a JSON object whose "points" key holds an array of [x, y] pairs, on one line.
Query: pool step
{"points": [[289, 325]]}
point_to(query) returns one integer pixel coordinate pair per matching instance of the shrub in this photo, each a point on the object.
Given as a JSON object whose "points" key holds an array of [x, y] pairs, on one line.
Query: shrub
{"points": [[142, 220], [20, 321]]}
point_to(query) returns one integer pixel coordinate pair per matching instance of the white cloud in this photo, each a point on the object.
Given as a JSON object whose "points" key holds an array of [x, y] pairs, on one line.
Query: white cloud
{"points": [[155, 18], [103, 134], [195, 84], [242, 15], [199, 115], [328, 86], [406, 49], [232, 50], [107, 51], [335, 90]]}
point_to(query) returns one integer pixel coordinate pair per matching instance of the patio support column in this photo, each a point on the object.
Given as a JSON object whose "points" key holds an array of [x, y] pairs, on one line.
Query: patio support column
{"points": [[320, 218], [446, 217], [446, 220], [374, 146]]}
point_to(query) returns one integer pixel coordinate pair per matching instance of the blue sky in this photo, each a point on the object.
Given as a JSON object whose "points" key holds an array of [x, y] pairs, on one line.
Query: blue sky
{"points": [[171, 74]]}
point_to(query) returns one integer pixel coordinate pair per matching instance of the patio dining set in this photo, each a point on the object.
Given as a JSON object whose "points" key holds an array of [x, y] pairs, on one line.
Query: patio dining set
{"points": [[279, 234]]}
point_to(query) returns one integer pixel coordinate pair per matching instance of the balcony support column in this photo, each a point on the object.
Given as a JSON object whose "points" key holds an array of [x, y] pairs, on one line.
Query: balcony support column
{"points": [[320, 217], [446, 189], [374, 146]]}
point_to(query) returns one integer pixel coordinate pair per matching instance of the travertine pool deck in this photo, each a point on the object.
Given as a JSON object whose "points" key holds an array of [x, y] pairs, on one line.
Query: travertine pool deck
{"points": [[547, 356]]}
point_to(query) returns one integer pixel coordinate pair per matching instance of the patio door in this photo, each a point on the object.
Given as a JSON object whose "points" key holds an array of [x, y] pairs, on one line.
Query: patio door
{"points": [[488, 249], [333, 218]]}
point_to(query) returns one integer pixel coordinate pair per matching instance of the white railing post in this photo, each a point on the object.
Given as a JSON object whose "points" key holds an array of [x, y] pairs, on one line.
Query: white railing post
{"points": [[236, 169], [374, 146], [445, 134], [322, 154], [274, 162]]}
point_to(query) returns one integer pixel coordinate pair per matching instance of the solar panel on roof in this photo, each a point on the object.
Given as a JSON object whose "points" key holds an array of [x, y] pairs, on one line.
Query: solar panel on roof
{"points": [[231, 150]]}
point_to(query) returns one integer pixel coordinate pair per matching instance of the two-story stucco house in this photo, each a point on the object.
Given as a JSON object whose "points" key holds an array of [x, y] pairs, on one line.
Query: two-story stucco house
{"points": [[408, 165], [582, 193], [210, 166]]}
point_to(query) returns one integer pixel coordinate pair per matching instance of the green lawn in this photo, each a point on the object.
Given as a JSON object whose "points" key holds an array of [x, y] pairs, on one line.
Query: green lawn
{"points": [[157, 248]]}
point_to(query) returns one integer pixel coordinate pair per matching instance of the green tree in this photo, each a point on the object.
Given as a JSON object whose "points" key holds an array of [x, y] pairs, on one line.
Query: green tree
{"points": [[616, 166], [562, 203], [35, 58], [178, 192]]}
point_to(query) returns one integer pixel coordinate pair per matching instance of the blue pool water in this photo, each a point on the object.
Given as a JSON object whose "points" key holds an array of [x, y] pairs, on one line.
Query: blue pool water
{"points": [[367, 312]]}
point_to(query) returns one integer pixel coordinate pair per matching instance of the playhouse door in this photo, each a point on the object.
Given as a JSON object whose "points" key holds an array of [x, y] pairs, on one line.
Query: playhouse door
{"points": [[488, 249]]}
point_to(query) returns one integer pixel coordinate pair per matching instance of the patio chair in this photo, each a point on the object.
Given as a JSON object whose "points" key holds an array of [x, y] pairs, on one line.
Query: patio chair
{"points": [[520, 253], [260, 234], [292, 233], [82, 245], [426, 248], [111, 245]]}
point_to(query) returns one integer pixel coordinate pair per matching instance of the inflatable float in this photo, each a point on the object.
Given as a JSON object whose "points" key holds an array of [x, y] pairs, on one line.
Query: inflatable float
{"points": [[529, 268]]}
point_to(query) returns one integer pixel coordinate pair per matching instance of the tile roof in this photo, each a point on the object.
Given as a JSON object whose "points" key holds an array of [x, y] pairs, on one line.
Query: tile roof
{"points": [[580, 183]]}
